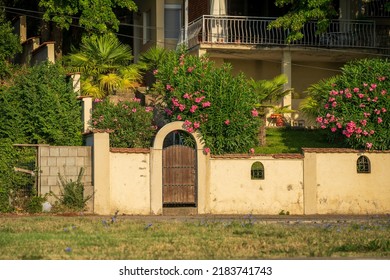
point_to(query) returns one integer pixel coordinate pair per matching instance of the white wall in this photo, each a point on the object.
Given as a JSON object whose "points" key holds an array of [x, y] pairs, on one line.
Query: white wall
{"points": [[341, 190], [232, 191], [130, 183]]}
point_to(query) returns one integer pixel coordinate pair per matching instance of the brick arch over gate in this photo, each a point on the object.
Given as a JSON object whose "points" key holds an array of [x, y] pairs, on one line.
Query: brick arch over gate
{"points": [[156, 204]]}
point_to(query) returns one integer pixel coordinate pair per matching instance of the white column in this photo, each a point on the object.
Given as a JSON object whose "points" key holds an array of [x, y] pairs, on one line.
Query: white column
{"points": [[87, 112], [101, 172], [160, 31], [286, 70], [76, 82], [186, 22]]}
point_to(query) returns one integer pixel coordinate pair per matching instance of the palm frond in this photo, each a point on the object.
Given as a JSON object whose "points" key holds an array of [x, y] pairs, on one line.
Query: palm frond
{"points": [[110, 83], [150, 59], [106, 60], [309, 106], [269, 91], [90, 89]]}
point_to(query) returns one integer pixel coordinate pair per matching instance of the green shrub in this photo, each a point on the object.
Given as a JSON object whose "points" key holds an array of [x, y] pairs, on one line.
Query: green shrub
{"points": [[5, 206], [72, 193], [34, 204], [129, 122], [12, 182], [39, 107], [355, 105]]}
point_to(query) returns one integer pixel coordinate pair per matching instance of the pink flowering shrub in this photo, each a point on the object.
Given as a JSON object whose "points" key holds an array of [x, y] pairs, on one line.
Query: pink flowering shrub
{"points": [[355, 104], [209, 100], [129, 122]]}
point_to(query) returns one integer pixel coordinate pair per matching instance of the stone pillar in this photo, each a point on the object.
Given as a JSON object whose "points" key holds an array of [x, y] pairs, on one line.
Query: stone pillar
{"points": [[100, 143], [45, 52], [87, 112], [76, 80], [156, 181], [203, 182], [310, 183], [20, 28]]}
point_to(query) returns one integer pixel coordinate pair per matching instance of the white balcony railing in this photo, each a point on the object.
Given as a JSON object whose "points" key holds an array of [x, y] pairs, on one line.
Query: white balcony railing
{"points": [[254, 31]]}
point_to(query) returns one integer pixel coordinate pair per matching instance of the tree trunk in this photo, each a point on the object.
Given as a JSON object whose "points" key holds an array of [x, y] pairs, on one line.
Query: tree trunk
{"points": [[262, 131], [58, 38]]}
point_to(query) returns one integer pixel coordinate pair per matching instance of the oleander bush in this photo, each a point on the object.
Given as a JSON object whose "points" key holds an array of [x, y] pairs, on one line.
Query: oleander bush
{"points": [[354, 106], [210, 100], [130, 124]]}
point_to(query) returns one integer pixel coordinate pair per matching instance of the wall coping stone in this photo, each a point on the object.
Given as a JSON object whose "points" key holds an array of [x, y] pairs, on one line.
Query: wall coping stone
{"points": [[342, 150], [250, 156], [130, 150], [42, 46]]}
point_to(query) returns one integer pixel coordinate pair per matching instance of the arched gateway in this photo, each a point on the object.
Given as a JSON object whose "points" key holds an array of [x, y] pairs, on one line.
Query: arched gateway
{"points": [[178, 172]]}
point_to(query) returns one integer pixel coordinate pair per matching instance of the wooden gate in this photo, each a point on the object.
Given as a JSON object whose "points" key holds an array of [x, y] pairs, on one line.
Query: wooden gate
{"points": [[179, 176]]}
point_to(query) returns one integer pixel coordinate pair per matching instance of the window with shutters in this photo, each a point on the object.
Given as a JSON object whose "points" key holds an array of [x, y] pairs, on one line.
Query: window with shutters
{"points": [[257, 171], [363, 165]]}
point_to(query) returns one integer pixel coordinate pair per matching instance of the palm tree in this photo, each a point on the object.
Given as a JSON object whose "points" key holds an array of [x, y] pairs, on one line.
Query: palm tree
{"points": [[268, 93], [151, 59], [310, 106], [105, 65], [149, 62]]}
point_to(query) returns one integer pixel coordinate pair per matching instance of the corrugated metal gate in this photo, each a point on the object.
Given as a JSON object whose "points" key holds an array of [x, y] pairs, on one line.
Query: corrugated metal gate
{"points": [[179, 176]]}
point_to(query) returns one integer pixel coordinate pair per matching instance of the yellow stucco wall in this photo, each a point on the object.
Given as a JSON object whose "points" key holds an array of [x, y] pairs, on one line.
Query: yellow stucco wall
{"points": [[341, 190], [324, 181], [232, 191], [130, 183]]}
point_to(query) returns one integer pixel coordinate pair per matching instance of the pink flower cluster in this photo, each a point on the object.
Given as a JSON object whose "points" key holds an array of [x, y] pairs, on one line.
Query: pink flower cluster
{"points": [[364, 99], [350, 128], [191, 127], [186, 105], [329, 120]]}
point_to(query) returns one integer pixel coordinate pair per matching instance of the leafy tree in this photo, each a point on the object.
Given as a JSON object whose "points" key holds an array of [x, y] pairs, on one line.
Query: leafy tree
{"points": [[95, 16], [301, 12], [105, 65], [354, 106], [40, 107], [209, 99], [9, 46]]}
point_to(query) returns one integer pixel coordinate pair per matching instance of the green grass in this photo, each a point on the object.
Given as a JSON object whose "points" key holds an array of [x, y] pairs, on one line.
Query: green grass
{"points": [[53, 237], [288, 140]]}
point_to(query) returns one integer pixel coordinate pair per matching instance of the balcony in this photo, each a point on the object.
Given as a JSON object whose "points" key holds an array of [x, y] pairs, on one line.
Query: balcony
{"points": [[254, 31]]}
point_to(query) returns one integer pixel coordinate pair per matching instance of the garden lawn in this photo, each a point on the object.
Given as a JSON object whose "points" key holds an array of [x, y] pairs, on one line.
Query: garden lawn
{"points": [[96, 238], [290, 140]]}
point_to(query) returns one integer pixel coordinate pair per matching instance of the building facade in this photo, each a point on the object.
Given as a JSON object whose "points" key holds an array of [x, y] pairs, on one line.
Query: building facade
{"points": [[236, 32]]}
